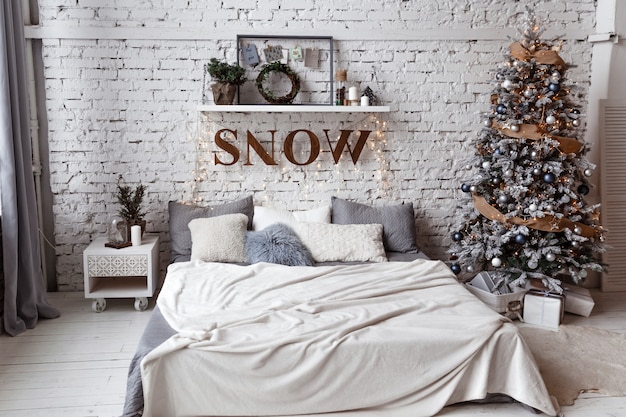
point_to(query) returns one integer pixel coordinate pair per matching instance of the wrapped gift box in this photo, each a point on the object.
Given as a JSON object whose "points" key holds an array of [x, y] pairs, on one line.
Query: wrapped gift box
{"points": [[482, 286], [578, 300], [543, 308]]}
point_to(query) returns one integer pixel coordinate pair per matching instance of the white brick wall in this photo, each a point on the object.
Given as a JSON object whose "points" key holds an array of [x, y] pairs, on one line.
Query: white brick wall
{"points": [[128, 106]]}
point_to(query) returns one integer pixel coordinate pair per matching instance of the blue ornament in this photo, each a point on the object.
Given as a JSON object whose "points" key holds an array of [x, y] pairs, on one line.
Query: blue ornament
{"points": [[465, 188], [455, 268], [549, 177], [554, 87], [583, 189], [501, 109], [457, 236], [520, 239]]}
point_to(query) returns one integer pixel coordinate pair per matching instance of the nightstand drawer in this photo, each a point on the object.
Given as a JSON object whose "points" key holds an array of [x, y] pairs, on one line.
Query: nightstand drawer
{"points": [[117, 265]]}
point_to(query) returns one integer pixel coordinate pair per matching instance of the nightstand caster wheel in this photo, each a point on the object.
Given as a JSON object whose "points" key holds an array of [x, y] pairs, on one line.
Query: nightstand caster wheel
{"points": [[141, 303], [98, 305]]}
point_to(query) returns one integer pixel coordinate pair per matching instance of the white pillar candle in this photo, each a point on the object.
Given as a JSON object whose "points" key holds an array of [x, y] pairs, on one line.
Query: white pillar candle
{"points": [[135, 235], [365, 101], [353, 93]]}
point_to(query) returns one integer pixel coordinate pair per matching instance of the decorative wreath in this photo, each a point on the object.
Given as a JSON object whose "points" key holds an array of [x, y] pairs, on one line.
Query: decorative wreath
{"points": [[268, 95]]}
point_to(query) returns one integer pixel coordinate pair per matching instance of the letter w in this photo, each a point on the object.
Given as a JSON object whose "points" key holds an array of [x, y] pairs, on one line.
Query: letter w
{"points": [[343, 142]]}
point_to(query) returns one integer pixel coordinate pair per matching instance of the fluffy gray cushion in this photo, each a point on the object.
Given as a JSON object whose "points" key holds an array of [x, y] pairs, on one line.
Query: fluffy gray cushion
{"points": [[181, 214], [398, 222], [277, 244]]}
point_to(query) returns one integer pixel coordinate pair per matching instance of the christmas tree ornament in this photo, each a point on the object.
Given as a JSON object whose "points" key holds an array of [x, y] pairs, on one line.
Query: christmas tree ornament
{"points": [[554, 87], [507, 84], [583, 189], [582, 273], [503, 198], [533, 207], [470, 269], [455, 268], [465, 188], [457, 236], [501, 109], [537, 171], [534, 154], [549, 177], [578, 230], [532, 264], [550, 257], [550, 120], [515, 128], [486, 165], [520, 239], [509, 173], [529, 93], [487, 122], [588, 172], [576, 123], [496, 262]]}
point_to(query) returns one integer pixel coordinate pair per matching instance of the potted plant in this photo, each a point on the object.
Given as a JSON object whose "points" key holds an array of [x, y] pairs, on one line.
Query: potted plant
{"points": [[227, 77], [131, 200]]}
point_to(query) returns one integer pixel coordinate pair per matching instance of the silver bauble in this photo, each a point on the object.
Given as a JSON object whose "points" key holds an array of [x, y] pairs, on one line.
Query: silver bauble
{"points": [[550, 257]]}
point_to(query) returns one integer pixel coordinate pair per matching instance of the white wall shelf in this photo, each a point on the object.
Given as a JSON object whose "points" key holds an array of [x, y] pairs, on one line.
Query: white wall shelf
{"points": [[293, 108]]}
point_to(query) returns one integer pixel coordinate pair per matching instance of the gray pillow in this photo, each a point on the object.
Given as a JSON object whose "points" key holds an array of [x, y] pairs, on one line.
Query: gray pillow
{"points": [[181, 214], [278, 244], [399, 234]]}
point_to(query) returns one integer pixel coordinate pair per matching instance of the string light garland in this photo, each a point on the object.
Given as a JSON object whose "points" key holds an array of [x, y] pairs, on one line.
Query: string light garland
{"points": [[313, 180]]}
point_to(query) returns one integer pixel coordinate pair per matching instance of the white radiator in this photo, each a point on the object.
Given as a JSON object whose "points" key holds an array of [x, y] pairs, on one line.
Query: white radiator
{"points": [[613, 191]]}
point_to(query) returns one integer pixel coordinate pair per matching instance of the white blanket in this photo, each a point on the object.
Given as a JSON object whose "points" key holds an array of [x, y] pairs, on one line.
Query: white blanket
{"points": [[268, 339]]}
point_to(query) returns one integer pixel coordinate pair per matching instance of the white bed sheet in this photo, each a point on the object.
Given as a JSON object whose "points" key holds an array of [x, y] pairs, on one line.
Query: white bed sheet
{"points": [[400, 337]]}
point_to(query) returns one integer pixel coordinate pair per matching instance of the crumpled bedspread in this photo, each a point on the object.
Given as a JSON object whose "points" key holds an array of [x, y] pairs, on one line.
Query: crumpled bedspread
{"points": [[267, 339]]}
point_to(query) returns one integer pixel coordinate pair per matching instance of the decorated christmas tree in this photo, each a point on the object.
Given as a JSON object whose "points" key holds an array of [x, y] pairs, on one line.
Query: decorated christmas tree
{"points": [[525, 215]]}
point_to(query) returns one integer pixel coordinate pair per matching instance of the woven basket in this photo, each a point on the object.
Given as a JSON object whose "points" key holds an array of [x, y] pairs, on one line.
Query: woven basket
{"points": [[497, 302]]}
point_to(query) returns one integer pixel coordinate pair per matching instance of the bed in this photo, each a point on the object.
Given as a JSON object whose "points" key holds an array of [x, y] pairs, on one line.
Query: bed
{"points": [[333, 310]]}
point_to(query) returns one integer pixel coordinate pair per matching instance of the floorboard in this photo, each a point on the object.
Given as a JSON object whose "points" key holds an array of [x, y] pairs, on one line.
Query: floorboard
{"points": [[76, 365]]}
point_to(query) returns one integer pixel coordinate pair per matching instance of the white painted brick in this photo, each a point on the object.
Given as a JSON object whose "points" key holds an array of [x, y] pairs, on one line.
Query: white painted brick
{"points": [[125, 107]]}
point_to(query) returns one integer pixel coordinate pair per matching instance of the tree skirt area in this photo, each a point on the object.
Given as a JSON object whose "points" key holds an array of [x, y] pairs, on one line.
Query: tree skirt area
{"points": [[579, 359]]}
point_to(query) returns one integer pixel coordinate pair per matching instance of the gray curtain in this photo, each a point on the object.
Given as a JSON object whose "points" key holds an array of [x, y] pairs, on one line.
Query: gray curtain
{"points": [[25, 299]]}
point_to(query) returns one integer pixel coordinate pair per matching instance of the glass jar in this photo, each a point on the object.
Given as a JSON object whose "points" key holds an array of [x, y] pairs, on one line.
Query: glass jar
{"points": [[118, 230]]}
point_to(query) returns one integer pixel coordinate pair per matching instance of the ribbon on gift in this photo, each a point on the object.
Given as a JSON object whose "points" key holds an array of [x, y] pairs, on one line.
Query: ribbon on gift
{"points": [[543, 56], [532, 132], [548, 223]]}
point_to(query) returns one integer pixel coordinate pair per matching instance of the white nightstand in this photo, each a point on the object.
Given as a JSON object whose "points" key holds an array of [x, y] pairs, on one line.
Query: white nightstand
{"points": [[121, 273]]}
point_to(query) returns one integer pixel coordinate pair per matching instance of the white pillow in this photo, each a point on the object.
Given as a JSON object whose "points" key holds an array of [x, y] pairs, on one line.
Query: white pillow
{"points": [[219, 239], [343, 242], [266, 216]]}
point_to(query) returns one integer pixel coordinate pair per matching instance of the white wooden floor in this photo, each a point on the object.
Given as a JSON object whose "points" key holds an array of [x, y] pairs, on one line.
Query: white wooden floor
{"points": [[76, 365]]}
